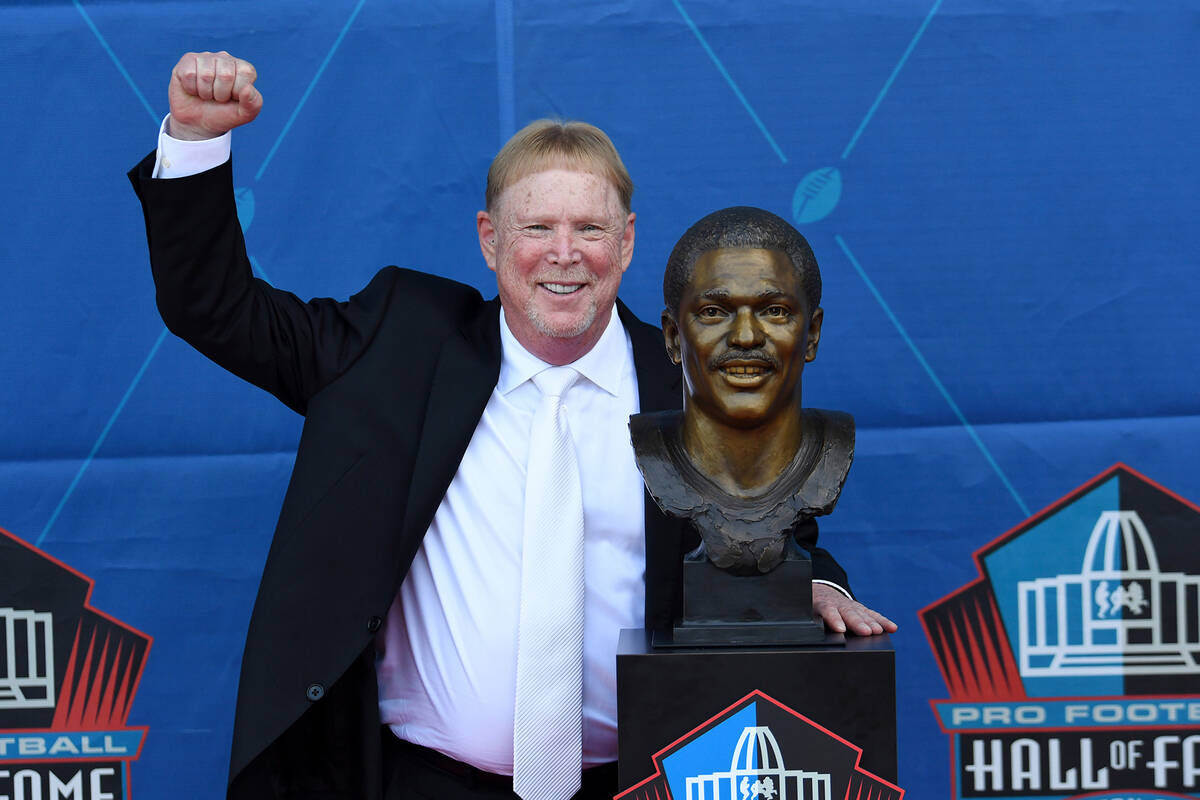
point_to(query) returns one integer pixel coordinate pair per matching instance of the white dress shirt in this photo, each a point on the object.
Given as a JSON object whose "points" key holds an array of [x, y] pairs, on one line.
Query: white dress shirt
{"points": [[179, 158], [448, 651]]}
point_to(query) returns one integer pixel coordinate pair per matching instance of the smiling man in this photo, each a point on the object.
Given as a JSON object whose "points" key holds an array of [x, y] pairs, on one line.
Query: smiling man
{"points": [[387, 646], [559, 244]]}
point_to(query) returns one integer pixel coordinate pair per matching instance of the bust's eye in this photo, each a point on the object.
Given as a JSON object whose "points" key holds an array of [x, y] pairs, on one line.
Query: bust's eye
{"points": [[777, 312], [711, 312]]}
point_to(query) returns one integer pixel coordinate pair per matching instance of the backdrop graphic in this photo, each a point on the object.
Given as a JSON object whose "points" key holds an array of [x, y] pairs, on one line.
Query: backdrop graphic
{"points": [[1001, 196], [1071, 661]]}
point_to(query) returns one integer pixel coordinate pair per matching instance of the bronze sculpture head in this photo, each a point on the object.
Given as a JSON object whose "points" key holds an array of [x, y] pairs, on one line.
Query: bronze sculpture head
{"points": [[743, 461]]}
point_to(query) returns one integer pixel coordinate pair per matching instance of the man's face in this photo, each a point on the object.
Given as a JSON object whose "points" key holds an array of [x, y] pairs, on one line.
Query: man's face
{"points": [[743, 333], [558, 241]]}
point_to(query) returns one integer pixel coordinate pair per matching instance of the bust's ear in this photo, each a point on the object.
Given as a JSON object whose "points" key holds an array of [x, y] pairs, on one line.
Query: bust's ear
{"points": [[814, 334], [671, 336]]}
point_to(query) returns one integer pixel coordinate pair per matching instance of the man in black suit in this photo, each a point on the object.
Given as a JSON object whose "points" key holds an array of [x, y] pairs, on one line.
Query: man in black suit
{"points": [[378, 662]]}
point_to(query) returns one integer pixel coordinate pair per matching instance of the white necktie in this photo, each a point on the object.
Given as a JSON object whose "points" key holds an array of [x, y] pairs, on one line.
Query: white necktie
{"points": [[548, 724]]}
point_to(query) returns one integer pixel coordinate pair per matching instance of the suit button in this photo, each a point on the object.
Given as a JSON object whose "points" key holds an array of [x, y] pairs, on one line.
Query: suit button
{"points": [[315, 692], [374, 624]]}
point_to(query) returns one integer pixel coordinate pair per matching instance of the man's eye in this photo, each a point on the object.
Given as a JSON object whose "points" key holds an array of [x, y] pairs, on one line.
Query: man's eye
{"points": [[777, 311], [712, 312]]}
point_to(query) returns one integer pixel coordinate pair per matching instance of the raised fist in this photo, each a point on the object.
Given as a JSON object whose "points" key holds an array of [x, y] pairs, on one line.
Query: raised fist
{"points": [[211, 93]]}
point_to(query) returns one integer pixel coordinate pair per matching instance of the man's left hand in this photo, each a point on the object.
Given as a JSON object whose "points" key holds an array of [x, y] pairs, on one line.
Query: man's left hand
{"points": [[841, 614]]}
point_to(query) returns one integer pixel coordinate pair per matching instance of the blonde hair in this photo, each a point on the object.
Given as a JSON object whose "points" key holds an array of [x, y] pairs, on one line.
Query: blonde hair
{"points": [[549, 143]]}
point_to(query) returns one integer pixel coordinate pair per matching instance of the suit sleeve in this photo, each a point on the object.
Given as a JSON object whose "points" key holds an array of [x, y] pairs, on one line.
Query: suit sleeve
{"points": [[825, 566], [208, 296]]}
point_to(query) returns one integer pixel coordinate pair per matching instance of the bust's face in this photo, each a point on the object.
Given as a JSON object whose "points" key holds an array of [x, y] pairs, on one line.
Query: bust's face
{"points": [[743, 332]]}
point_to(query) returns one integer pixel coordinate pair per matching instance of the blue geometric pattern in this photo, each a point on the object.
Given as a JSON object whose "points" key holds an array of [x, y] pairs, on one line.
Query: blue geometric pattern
{"points": [[1001, 197]]}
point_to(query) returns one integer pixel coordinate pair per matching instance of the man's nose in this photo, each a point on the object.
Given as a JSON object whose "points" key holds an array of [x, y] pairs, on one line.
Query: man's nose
{"points": [[747, 332], [563, 249]]}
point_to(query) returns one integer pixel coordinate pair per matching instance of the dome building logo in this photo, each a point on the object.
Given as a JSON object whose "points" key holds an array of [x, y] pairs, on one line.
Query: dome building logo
{"points": [[1072, 661], [27, 668], [1111, 618], [759, 749], [757, 771]]}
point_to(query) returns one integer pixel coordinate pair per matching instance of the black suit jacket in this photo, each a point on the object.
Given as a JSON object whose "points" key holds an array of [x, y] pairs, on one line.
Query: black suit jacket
{"points": [[391, 383]]}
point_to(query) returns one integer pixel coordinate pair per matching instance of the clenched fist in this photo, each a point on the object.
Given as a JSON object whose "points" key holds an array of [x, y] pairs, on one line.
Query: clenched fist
{"points": [[211, 93]]}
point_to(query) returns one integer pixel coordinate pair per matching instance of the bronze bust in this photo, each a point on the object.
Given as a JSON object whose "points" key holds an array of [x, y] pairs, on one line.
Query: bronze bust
{"points": [[742, 461], [746, 533]]}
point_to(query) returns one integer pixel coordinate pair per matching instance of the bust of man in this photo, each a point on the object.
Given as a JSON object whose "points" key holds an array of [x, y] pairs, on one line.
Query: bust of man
{"points": [[742, 460]]}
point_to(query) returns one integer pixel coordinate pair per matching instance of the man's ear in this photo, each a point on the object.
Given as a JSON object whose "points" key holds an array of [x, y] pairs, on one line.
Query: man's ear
{"points": [[627, 241], [814, 334], [487, 238], [671, 336]]}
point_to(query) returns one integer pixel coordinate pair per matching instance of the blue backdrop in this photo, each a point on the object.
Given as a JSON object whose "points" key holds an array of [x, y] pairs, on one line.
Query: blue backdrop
{"points": [[1002, 198]]}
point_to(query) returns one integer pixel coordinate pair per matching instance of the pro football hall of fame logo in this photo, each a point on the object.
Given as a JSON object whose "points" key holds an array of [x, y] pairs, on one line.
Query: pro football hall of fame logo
{"points": [[1072, 661], [759, 749], [68, 675]]}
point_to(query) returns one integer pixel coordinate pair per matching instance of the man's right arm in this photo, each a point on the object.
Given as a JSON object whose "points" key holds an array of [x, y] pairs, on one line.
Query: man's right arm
{"points": [[205, 288]]}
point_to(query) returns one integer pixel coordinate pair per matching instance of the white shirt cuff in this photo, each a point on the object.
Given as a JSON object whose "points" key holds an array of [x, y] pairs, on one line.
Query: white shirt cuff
{"points": [[178, 158], [832, 585]]}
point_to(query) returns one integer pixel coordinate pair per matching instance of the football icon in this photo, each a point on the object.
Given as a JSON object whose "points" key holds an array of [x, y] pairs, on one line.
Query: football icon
{"points": [[817, 195]]}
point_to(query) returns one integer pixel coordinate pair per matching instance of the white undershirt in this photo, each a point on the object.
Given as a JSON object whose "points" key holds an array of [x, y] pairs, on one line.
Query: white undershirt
{"points": [[447, 654]]}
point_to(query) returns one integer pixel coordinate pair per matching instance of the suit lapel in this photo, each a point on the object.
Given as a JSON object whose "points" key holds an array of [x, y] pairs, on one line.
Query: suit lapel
{"points": [[660, 387], [464, 377]]}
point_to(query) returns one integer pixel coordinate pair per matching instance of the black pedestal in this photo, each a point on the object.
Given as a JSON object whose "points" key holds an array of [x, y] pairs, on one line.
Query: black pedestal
{"points": [[720, 608], [843, 696]]}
